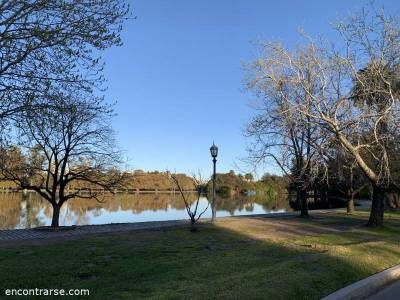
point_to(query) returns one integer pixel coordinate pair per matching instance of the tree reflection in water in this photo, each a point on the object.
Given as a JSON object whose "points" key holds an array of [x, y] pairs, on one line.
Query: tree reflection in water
{"points": [[26, 211]]}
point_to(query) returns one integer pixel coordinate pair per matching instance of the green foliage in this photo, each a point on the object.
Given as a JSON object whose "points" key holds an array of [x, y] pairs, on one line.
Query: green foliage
{"points": [[249, 177], [230, 184], [268, 188]]}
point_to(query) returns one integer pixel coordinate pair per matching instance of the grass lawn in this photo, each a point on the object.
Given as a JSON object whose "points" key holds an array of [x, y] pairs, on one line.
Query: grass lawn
{"points": [[238, 258]]}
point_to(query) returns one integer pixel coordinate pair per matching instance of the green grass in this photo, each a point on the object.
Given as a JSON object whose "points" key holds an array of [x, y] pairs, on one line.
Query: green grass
{"points": [[215, 263]]}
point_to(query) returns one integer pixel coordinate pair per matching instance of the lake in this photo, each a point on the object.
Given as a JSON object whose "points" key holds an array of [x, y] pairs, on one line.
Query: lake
{"points": [[18, 210]]}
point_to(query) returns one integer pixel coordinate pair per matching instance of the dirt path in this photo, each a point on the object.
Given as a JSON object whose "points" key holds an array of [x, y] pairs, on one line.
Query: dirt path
{"points": [[279, 228], [276, 226]]}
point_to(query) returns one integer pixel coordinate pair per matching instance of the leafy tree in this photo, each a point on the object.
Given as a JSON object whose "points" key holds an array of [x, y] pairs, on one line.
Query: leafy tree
{"points": [[249, 177], [228, 184]]}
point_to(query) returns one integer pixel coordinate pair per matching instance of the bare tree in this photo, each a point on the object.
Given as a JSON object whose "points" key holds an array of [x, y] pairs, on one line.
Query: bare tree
{"points": [[47, 43], [371, 62], [68, 143], [369, 65], [278, 130], [191, 208]]}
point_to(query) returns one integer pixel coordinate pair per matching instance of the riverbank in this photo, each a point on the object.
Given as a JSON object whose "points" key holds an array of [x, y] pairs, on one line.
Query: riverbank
{"points": [[282, 257], [44, 234]]}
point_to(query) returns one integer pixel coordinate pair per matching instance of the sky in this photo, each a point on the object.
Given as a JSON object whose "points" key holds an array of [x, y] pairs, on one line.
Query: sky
{"points": [[178, 78]]}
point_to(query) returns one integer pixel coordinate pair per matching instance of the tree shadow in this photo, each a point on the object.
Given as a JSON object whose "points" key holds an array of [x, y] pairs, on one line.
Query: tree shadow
{"points": [[235, 259]]}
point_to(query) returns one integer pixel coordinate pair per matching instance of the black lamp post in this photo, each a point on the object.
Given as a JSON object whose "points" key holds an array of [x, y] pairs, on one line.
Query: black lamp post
{"points": [[214, 154]]}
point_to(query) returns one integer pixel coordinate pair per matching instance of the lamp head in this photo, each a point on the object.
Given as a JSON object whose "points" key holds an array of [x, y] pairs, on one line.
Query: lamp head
{"points": [[214, 150]]}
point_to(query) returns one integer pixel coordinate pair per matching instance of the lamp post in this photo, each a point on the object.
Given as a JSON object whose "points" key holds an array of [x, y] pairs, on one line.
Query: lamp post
{"points": [[214, 154]]}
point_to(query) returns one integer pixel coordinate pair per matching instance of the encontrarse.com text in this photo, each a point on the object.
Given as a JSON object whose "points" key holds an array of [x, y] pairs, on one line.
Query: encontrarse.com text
{"points": [[46, 292]]}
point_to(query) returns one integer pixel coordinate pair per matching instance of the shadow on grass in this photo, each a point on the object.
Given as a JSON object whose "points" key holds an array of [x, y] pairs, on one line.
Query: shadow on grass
{"points": [[215, 263]]}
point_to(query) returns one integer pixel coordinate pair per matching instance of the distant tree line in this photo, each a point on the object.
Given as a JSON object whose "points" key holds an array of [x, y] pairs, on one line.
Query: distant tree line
{"points": [[229, 184], [127, 181]]}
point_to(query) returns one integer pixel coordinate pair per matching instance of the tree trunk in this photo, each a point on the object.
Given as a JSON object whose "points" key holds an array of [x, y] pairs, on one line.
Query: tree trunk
{"points": [[376, 215], [56, 216], [393, 199], [303, 204], [298, 199], [193, 227], [350, 202]]}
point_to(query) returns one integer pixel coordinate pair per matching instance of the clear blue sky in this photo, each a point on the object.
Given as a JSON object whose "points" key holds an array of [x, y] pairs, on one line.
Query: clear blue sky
{"points": [[178, 77]]}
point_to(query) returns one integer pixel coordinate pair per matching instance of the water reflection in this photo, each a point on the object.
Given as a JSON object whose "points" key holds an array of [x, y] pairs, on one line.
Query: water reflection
{"points": [[25, 211]]}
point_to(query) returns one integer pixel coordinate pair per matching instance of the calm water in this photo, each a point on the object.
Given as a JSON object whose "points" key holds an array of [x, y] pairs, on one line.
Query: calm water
{"points": [[26, 211]]}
